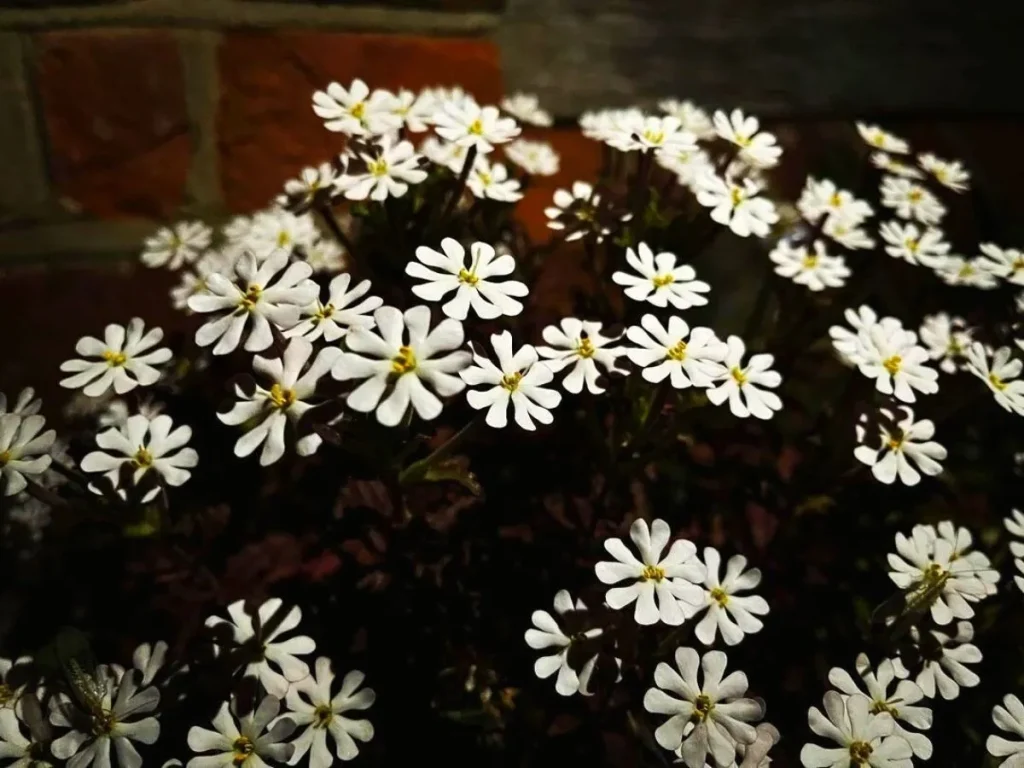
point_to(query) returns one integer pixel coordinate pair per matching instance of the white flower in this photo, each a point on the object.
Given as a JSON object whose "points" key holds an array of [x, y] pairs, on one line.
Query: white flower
{"points": [[732, 614], [1009, 718], [690, 116], [689, 165], [949, 173], [580, 344], [737, 205], [402, 352], [660, 281], [525, 107], [537, 158], [10, 693], [910, 200], [267, 647], [144, 444], [960, 540], [415, 110], [244, 745], [324, 255], [999, 372], [313, 706], [879, 139], [847, 234], [149, 660], [312, 183], [27, 403], [976, 272], [1008, 263], [518, 378], [848, 344], [491, 181], [265, 293], [1015, 525], [898, 446], [899, 704], [172, 247], [577, 208], [23, 450], [916, 246], [709, 717], [27, 752], [687, 358], [889, 164], [451, 156], [864, 738], [124, 360], [355, 111], [474, 284], [944, 660], [268, 411], [237, 229], [673, 578], [279, 230], [823, 198], [947, 339], [193, 281], [341, 313], [548, 634], [470, 125], [390, 168], [602, 125], [758, 150], [743, 385], [120, 701], [891, 356], [660, 134], [817, 270]]}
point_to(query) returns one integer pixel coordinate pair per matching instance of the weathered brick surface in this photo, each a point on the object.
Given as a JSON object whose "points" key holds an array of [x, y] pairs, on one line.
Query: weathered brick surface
{"points": [[114, 109], [267, 129]]}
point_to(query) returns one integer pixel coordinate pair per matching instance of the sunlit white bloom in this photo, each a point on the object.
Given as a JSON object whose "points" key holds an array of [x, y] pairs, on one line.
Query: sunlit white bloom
{"points": [[440, 95], [525, 107], [261, 294], [355, 111], [415, 110], [274, 652], [683, 356], [237, 228], [879, 139], [518, 378], [900, 703], [1007, 263], [737, 205], [390, 168], [172, 247], [312, 183], [653, 133], [124, 360], [268, 410], [1008, 717], [913, 244], [949, 173], [889, 164], [710, 717], [732, 614], [546, 633], [689, 165], [280, 230], [691, 117], [243, 744], [25, 751], [444, 153], [27, 404], [24, 450], [144, 444], [976, 272], [823, 198], [311, 705], [576, 211], [474, 284], [193, 281], [491, 181], [944, 661], [947, 339], [746, 387], [537, 158], [1000, 373], [1015, 525], [470, 125], [757, 148], [659, 281], [674, 578], [864, 737], [581, 345], [325, 255], [899, 365], [910, 200], [817, 270], [960, 539], [899, 445], [845, 233], [402, 354], [606, 123], [848, 343], [341, 312]]}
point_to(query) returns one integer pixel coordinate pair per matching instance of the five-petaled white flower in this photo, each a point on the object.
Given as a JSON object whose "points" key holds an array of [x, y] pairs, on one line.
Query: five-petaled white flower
{"points": [[1008, 717], [404, 354], [144, 444], [267, 293], [390, 168], [674, 578], [883, 140], [125, 359], [265, 647], [891, 356], [546, 633], [525, 107], [474, 284], [686, 357], [899, 444], [518, 378], [243, 745], [1007, 263], [491, 181], [865, 738], [949, 173], [744, 386], [912, 244], [731, 614], [537, 158], [660, 282], [580, 343], [999, 372], [23, 450], [355, 111], [824, 198], [470, 125], [335, 318], [736, 204], [268, 411], [1015, 525], [691, 117], [976, 273], [311, 704], [947, 339], [757, 148], [710, 717], [910, 200], [172, 247], [944, 660], [817, 270]]}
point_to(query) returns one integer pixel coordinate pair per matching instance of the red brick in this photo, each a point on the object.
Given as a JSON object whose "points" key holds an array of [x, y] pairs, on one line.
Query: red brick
{"points": [[114, 108], [267, 129]]}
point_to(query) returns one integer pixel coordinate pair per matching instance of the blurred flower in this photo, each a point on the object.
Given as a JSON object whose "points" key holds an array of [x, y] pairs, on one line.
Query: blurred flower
{"points": [[172, 247], [451, 156], [537, 158], [1007, 263], [525, 107], [757, 149], [470, 125], [999, 372], [744, 386], [279, 230], [947, 339], [27, 403], [687, 358], [817, 270], [579, 343], [823, 198], [689, 165], [846, 233], [243, 745], [865, 738], [340, 314], [325, 255], [891, 356], [548, 634], [23, 450], [948, 173], [916, 246], [311, 704], [390, 168], [879, 139], [737, 205], [727, 612], [899, 444], [355, 111], [313, 186], [125, 359], [1015, 525], [691, 117], [889, 164], [193, 281], [910, 200], [577, 213], [491, 181], [415, 110], [650, 133], [660, 281], [976, 272]]}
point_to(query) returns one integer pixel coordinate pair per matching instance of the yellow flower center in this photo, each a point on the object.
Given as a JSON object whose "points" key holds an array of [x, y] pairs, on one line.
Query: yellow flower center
{"points": [[103, 723], [941, 174], [703, 706], [720, 596], [736, 196], [404, 361], [742, 141], [114, 359], [678, 352], [322, 716], [322, 313], [878, 707], [954, 348], [281, 398], [835, 201], [252, 296], [378, 168], [810, 261], [476, 128], [996, 382], [934, 575], [892, 364], [585, 348], [652, 573], [738, 374], [660, 281], [358, 110], [965, 271], [511, 381], [142, 458], [6, 692], [243, 749], [894, 443], [911, 244], [915, 195], [467, 277], [1018, 264], [654, 137], [485, 178], [5, 457], [284, 239], [860, 753]]}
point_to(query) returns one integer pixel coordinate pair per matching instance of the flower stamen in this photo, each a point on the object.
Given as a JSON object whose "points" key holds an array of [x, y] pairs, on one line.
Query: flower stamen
{"points": [[404, 361]]}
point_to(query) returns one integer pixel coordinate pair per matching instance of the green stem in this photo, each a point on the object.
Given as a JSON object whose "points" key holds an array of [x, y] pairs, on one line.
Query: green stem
{"points": [[418, 469], [460, 185], [339, 234]]}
